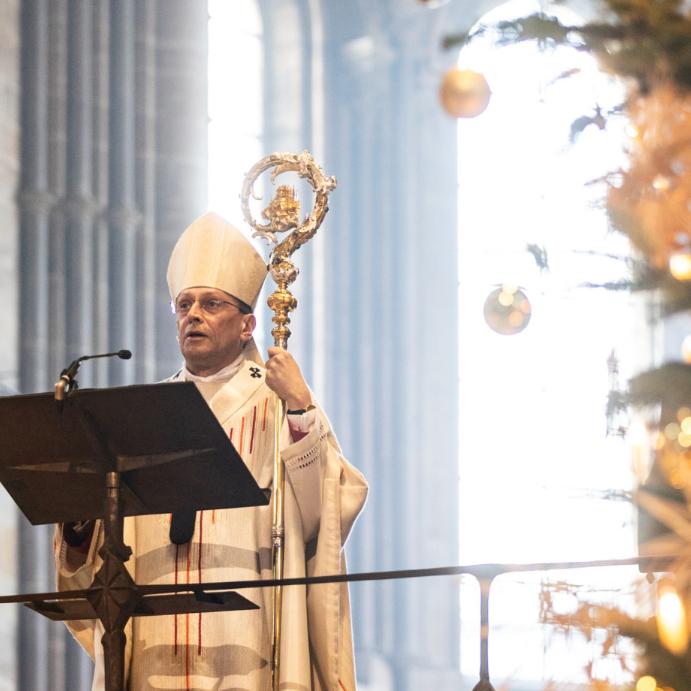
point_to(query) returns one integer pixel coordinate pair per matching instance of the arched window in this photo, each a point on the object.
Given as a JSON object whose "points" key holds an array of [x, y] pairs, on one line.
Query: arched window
{"points": [[235, 100], [539, 466], [235, 105]]}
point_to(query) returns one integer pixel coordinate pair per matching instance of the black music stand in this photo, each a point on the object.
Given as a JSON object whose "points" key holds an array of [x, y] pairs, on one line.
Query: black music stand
{"points": [[119, 452]]}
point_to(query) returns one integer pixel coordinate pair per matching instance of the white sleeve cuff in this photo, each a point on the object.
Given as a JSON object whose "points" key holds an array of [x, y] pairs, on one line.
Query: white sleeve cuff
{"points": [[303, 423]]}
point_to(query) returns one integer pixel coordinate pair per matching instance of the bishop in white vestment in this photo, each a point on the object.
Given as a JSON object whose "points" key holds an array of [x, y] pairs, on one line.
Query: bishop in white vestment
{"points": [[214, 277]]}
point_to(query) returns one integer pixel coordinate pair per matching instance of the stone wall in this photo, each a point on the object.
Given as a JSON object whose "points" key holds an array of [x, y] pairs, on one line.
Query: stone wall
{"points": [[9, 174]]}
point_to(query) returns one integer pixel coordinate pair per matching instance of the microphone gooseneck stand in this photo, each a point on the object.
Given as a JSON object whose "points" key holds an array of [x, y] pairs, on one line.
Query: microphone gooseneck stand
{"points": [[113, 594], [68, 377]]}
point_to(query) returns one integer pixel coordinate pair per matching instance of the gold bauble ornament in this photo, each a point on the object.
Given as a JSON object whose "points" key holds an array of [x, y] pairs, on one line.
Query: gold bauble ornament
{"points": [[464, 93], [507, 310]]}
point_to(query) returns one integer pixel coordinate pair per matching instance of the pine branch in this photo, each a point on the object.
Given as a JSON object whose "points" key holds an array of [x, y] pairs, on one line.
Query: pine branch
{"points": [[641, 39], [669, 384], [674, 295]]}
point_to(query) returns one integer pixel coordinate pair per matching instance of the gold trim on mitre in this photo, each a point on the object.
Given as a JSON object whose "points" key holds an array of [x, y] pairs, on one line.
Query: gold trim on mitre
{"points": [[213, 253]]}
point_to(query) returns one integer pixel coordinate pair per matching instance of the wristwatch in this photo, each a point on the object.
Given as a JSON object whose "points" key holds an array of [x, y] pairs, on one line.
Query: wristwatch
{"points": [[301, 411]]}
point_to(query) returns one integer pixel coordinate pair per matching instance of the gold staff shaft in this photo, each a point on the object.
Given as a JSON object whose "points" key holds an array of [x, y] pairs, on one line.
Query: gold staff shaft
{"points": [[277, 533], [282, 302]]}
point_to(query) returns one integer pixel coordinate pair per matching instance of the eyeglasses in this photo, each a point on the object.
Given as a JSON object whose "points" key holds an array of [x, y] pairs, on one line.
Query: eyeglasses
{"points": [[208, 305]]}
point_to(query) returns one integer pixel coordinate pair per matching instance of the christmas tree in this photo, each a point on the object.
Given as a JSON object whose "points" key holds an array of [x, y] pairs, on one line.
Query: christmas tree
{"points": [[647, 44]]}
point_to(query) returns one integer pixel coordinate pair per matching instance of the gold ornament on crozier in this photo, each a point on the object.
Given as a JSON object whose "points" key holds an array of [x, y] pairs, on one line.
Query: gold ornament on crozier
{"points": [[283, 215]]}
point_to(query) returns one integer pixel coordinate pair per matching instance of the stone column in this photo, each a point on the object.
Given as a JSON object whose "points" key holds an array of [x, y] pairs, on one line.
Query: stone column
{"points": [[35, 204], [10, 54], [123, 214], [181, 161], [103, 133], [384, 325]]}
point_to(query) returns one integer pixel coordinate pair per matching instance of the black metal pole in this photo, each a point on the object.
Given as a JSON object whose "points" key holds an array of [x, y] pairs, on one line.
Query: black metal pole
{"points": [[113, 639], [113, 594], [484, 683]]}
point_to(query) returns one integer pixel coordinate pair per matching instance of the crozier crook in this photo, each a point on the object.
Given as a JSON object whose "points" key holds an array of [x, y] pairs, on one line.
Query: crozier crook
{"points": [[283, 215]]}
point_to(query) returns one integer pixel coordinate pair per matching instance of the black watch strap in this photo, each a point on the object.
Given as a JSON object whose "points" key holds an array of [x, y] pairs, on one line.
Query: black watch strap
{"points": [[301, 411]]}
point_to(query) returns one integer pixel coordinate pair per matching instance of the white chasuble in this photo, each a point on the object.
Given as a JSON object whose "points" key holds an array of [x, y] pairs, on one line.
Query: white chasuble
{"points": [[231, 651]]}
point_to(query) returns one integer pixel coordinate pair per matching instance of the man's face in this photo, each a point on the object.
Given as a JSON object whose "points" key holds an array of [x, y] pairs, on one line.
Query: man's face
{"points": [[212, 331]]}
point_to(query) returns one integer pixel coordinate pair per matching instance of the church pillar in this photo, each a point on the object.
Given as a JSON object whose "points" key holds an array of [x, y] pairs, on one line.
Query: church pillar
{"points": [[35, 203], [10, 59], [123, 215], [35, 200], [101, 137], [181, 152], [145, 161], [79, 204], [383, 343]]}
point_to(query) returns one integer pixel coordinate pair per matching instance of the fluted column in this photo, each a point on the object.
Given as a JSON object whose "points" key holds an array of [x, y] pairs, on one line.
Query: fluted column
{"points": [[58, 98], [100, 184], [145, 137], [123, 215], [10, 62], [95, 144], [35, 203], [79, 213], [384, 328], [181, 161], [80, 205]]}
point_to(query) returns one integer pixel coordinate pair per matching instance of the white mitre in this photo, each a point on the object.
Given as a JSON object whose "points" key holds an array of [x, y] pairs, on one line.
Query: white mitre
{"points": [[212, 253]]}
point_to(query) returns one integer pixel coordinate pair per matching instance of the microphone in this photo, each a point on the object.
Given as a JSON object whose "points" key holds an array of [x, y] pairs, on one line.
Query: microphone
{"points": [[182, 526], [67, 381], [122, 354]]}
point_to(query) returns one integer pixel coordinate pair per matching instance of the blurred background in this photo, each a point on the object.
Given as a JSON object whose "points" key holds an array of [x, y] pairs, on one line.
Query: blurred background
{"points": [[483, 431]]}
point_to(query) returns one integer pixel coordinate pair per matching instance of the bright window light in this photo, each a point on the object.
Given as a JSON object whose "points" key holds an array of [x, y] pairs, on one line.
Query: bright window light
{"points": [[235, 101], [539, 472], [235, 112]]}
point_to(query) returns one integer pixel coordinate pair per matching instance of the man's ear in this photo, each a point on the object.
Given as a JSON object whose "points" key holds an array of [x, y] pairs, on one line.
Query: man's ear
{"points": [[249, 323]]}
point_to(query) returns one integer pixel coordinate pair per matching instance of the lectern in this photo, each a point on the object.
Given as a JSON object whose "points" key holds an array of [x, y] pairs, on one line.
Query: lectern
{"points": [[110, 453]]}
